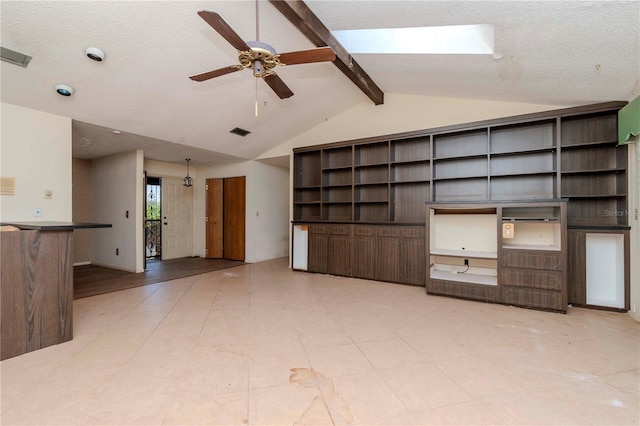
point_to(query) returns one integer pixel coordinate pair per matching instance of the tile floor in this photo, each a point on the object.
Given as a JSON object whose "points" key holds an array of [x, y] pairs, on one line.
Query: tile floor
{"points": [[263, 345]]}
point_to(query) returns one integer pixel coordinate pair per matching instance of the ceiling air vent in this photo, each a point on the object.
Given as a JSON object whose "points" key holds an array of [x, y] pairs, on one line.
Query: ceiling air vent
{"points": [[14, 57], [240, 132]]}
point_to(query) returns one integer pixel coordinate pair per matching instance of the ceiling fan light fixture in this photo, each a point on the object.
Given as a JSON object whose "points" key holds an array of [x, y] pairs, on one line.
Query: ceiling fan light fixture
{"points": [[259, 56], [258, 69]]}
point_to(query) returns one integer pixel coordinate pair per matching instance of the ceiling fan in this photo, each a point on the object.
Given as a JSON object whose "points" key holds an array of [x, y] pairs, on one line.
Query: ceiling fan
{"points": [[260, 57]]}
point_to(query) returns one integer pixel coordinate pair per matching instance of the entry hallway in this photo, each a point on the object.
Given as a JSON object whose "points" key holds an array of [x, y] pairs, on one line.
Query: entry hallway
{"points": [[260, 344]]}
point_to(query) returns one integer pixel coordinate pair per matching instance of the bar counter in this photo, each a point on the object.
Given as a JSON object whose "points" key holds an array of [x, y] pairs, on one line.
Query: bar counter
{"points": [[36, 284]]}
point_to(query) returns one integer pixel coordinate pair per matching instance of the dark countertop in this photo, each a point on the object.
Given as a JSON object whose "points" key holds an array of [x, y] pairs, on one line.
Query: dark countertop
{"points": [[55, 226]]}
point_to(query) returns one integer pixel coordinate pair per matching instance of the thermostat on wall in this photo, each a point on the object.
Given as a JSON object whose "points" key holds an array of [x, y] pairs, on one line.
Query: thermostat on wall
{"points": [[7, 185]]}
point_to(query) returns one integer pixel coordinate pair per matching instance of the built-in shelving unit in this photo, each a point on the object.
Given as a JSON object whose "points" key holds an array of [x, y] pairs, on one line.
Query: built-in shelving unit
{"points": [[569, 153], [511, 252], [593, 170]]}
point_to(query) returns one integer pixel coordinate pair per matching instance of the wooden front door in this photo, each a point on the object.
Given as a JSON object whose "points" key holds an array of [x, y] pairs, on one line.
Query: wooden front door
{"points": [[225, 218], [214, 224]]}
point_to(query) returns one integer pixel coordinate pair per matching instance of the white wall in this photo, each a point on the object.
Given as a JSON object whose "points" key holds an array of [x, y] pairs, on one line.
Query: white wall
{"points": [[270, 224], [403, 113], [267, 192], [117, 188], [161, 169], [35, 149]]}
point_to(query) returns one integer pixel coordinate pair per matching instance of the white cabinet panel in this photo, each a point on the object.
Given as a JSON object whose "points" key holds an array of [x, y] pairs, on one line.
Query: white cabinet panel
{"points": [[605, 270]]}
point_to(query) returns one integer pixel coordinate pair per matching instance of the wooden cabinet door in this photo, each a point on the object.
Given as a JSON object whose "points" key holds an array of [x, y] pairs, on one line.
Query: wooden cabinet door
{"points": [[412, 261], [388, 259], [317, 255], [339, 250], [364, 255], [576, 271], [339, 255]]}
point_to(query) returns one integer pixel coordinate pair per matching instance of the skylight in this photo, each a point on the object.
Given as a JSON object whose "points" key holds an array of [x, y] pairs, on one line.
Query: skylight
{"points": [[454, 39]]}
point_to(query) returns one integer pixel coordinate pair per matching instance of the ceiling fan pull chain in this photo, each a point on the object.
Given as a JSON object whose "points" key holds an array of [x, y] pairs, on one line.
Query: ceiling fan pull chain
{"points": [[256, 97]]}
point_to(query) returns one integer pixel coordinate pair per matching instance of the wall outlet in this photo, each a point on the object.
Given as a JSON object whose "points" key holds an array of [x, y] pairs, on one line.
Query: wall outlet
{"points": [[37, 212], [466, 262], [117, 252]]}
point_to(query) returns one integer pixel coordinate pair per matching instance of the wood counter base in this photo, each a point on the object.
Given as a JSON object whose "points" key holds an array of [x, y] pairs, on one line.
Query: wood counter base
{"points": [[36, 290]]}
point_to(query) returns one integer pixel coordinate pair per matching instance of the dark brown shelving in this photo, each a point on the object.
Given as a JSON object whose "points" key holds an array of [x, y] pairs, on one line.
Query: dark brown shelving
{"points": [[411, 150], [568, 153], [468, 144], [334, 158], [371, 154], [483, 254], [370, 183], [466, 168], [477, 176], [409, 162], [523, 187], [608, 195], [469, 189], [522, 151], [538, 173], [410, 172], [372, 174], [338, 185], [594, 144], [529, 163], [460, 157], [523, 137], [593, 171]]}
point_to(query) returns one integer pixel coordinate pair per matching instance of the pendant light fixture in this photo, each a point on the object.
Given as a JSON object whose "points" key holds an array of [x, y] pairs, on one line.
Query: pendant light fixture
{"points": [[187, 180]]}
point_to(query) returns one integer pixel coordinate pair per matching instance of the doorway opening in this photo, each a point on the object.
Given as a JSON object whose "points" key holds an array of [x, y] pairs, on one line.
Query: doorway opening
{"points": [[152, 219]]}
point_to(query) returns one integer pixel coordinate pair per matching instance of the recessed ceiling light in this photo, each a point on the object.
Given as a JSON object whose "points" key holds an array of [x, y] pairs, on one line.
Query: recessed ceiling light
{"points": [[94, 53], [115, 132], [64, 89]]}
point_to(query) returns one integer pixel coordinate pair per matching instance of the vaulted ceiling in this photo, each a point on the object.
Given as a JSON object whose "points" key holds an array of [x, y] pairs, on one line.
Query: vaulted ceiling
{"points": [[547, 52]]}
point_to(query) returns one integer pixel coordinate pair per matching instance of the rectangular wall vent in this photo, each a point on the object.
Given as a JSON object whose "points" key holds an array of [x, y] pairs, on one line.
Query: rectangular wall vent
{"points": [[240, 132], [14, 57]]}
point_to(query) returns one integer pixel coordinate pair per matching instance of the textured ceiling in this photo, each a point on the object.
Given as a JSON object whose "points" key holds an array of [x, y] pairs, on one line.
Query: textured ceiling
{"points": [[560, 53]]}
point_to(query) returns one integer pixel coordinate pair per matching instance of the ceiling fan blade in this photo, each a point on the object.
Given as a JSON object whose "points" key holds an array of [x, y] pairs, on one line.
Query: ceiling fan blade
{"points": [[219, 24], [307, 56], [278, 86], [215, 73]]}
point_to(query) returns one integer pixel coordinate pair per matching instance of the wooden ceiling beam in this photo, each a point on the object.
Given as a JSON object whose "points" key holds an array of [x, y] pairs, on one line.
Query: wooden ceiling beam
{"points": [[299, 14]]}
